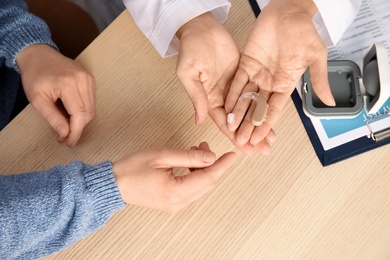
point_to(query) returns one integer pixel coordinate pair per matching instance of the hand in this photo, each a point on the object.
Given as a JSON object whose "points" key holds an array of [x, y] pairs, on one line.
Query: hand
{"points": [[207, 61], [59, 89], [282, 44], [146, 178]]}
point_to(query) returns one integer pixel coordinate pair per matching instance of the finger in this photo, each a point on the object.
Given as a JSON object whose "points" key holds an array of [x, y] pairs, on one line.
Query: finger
{"points": [[276, 103], [264, 146], [320, 81], [55, 118], [195, 185], [171, 158], [246, 128], [193, 148], [79, 117], [204, 179], [87, 87], [242, 106], [204, 146], [240, 111], [271, 137], [238, 84], [198, 96], [218, 115]]}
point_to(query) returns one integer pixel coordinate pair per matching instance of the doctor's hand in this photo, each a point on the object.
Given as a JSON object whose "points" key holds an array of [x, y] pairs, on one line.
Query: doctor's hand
{"points": [[146, 178], [59, 89], [207, 61], [282, 44]]}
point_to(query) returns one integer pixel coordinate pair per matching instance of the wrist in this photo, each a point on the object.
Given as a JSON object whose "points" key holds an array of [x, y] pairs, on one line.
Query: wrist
{"points": [[28, 54], [116, 169], [202, 22], [304, 6]]}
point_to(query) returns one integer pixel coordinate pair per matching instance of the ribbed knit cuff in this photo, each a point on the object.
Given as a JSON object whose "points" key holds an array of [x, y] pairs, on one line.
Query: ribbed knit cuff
{"points": [[101, 182], [15, 42]]}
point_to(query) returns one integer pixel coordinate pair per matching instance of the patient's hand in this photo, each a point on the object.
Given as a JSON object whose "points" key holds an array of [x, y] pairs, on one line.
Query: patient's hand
{"points": [[48, 77], [146, 178]]}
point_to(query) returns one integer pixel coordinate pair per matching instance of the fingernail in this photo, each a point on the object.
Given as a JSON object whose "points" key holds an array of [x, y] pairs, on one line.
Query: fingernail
{"points": [[331, 102], [209, 157]]}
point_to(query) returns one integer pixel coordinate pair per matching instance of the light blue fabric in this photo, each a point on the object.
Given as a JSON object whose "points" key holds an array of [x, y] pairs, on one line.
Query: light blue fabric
{"points": [[20, 29], [45, 212]]}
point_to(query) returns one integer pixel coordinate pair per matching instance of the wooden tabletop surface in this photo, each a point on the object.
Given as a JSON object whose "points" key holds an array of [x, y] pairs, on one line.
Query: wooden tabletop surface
{"points": [[283, 206]]}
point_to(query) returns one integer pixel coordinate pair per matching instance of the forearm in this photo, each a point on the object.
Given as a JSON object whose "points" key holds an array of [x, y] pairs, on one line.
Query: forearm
{"points": [[45, 212], [159, 20], [19, 29]]}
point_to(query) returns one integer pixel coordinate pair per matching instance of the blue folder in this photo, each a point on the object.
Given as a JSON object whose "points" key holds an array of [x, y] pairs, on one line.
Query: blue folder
{"points": [[338, 153]]}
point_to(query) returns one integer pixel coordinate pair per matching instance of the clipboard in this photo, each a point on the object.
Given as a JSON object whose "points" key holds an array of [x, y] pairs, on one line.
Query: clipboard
{"points": [[339, 153]]}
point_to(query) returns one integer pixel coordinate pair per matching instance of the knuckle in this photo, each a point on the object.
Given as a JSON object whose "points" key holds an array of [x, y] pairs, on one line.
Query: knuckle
{"points": [[158, 155], [173, 199], [66, 80], [211, 182], [172, 204], [91, 115], [34, 101], [192, 156], [81, 74], [51, 119]]}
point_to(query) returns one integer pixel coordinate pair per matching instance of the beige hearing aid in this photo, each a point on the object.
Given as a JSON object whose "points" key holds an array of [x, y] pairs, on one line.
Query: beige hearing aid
{"points": [[259, 113]]}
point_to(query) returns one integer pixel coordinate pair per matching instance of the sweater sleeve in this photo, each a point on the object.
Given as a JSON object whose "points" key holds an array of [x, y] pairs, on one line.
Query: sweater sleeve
{"points": [[44, 212], [159, 20], [20, 29]]}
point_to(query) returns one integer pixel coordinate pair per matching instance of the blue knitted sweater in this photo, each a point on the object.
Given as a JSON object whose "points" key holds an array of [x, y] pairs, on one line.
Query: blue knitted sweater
{"points": [[44, 212], [18, 30]]}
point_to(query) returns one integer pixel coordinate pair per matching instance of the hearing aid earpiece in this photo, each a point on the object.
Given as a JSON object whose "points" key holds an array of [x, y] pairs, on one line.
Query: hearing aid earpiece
{"points": [[259, 113]]}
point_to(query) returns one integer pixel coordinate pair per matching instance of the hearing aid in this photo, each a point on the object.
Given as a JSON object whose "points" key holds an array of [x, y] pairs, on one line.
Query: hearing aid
{"points": [[259, 113]]}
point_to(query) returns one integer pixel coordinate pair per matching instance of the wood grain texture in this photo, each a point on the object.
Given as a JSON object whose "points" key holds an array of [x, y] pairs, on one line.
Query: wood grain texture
{"points": [[284, 206]]}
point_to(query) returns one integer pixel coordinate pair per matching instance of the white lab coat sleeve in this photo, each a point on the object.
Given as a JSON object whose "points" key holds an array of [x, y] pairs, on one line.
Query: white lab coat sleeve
{"points": [[159, 20], [332, 19], [337, 15]]}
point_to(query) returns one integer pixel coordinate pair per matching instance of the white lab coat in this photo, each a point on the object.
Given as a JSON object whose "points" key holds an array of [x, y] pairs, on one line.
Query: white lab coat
{"points": [[159, 20]]}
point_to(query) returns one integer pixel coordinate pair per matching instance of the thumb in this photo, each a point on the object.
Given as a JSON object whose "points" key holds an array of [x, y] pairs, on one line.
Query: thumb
{"points": [[55, 118], [171, 158], [198, 96], [320, 82]]}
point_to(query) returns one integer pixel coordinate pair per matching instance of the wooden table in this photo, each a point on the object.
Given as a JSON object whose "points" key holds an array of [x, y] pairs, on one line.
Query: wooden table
{"points": [[284, 206]]}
